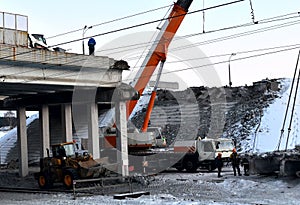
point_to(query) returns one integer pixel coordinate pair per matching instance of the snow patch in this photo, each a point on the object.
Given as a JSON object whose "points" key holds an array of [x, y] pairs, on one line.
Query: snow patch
{"points": [[272, 121], [10, 138]]}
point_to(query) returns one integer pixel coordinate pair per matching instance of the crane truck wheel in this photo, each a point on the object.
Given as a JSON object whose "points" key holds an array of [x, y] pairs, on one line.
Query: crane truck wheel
{"points": [[69, 176], [211, 167], [44, 181], [190, 166]]}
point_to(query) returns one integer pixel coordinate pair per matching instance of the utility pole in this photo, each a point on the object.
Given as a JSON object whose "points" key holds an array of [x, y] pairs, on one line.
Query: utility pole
{"points": [[229, 72], [85, 28]]}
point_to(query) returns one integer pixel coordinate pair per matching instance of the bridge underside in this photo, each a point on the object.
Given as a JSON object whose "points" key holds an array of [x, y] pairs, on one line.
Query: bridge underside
{"points": [[32, 79]]}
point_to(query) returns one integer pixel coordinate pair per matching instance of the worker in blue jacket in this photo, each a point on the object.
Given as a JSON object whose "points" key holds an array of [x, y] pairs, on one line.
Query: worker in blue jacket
{"points": [[91, 44]]}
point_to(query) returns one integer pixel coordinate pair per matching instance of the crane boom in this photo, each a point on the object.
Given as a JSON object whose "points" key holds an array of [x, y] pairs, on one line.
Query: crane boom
{"points": [[158, 50], [156, 54]]}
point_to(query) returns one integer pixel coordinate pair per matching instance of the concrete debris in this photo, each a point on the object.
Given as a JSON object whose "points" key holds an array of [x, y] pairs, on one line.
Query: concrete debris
{"points": [[230, 112]]}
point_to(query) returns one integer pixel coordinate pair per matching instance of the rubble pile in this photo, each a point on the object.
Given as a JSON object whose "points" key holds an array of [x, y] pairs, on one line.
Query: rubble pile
{"points": [[230, 112]]}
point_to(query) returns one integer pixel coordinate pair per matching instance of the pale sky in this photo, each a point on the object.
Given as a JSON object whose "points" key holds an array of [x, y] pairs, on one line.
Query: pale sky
{"points": [[55, 17]]}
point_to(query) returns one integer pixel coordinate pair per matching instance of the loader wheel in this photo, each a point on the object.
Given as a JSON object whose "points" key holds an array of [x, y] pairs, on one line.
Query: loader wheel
{"points": [[190, 166], [69, 176], [44, 181]]}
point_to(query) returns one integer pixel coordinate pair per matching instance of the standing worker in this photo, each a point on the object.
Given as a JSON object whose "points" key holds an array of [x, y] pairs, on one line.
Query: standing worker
{"points": [[245, 164], [235, 161], [91, 44], [219, 164]]}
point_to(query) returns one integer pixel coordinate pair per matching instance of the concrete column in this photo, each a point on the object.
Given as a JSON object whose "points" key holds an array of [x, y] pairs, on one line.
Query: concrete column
{"points": [[45, 130], [22, 142], [67, 123], [122, 144], [93, 130]]}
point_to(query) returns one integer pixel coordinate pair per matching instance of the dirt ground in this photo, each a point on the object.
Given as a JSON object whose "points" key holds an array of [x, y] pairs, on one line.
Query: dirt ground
{"points": [[173, 187]]}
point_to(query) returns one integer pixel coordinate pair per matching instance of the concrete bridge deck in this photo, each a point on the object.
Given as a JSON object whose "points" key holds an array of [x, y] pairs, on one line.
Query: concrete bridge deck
{"points": [[34, 79], [36, 66]]}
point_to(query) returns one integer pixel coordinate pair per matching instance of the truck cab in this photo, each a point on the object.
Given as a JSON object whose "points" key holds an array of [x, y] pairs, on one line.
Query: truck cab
{"points": [[209, 148], [202, 153]]}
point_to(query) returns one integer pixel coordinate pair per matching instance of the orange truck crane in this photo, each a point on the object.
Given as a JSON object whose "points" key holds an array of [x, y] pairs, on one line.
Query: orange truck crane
{"points": [[156, 54], [186, 154]]}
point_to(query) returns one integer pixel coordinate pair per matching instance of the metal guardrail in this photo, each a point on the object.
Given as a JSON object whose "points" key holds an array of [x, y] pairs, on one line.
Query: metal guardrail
{"points": [[13, 29]]}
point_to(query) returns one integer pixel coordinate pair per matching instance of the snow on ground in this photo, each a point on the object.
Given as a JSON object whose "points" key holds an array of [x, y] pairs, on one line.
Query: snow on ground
{"points": [[180, 188], [175, 188], [2, 133]]}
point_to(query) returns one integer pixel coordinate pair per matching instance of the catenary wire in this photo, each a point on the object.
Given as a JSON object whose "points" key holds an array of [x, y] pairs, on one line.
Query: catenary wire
{"points": [[267, 20], [226, 61], [135, 26], [230, 37], [272, 18], [33, 70], [111, 21], [146, 23], [228, 54], [141, 45]]}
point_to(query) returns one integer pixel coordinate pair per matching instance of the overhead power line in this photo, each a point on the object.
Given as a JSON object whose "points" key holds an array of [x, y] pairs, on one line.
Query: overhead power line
{"points": [[142, 45], [278, 26], [261, 20], [146, 23], [133, 67], [134, 26], [237, 53], [297, 46], [292, 46], [224, 38], [111, 21]]}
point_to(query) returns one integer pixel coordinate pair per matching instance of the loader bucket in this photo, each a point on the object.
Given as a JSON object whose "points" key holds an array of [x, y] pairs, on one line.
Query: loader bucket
{"points": [[91, 168]]}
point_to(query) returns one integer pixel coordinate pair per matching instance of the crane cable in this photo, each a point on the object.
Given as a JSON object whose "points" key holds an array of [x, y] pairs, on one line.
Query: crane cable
{"points": [[288, 104]]}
